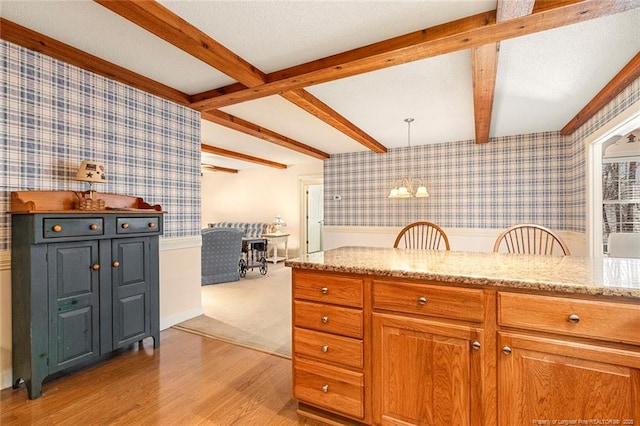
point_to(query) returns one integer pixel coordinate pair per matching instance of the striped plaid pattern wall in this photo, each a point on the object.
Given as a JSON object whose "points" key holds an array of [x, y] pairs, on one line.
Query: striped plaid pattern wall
{"points": [[55, 115], [509, 180]]}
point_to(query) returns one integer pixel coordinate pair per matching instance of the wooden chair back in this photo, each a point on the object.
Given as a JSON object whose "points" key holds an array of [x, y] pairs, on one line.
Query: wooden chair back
{"points": [[422, 235], [529, 238]]}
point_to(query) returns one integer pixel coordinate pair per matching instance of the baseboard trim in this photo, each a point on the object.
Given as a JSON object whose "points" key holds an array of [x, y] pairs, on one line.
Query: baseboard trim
{"points": [[178, 318], [179, 243]]}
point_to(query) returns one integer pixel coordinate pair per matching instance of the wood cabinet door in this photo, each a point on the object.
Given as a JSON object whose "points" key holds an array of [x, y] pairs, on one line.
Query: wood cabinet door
{"points": [[131, 295], [426, 372], [74, 325], [543, 380]]}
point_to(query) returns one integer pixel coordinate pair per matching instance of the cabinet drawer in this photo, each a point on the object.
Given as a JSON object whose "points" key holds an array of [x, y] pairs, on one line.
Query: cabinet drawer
{"points": [[439, 301], [328, 318], [611, 321], [76, 227], [328, 289], [135, 225], [329, 387], [328, 347]]}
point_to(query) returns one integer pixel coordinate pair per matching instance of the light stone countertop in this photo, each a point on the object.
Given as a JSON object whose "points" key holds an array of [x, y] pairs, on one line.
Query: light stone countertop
{"points": [[563, 274]]}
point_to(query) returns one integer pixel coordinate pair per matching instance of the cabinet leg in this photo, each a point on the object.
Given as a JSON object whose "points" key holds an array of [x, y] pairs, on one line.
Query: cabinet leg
{"points": [[34, 388], [156, 341]]}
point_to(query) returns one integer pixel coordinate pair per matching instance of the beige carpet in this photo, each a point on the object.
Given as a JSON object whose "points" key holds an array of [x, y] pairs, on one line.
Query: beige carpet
{"points": [[254, 312]]}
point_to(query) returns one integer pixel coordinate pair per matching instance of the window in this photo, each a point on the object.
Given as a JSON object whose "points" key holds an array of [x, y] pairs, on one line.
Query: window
{"points": [[620, 198]]}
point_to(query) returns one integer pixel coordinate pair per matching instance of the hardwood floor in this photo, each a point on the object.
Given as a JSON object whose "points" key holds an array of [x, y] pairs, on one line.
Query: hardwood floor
{"points": [[189, 380]]}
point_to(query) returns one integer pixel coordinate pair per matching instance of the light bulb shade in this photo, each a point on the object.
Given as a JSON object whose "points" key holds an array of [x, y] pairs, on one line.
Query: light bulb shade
{"points": [[627, 147], [422, 192], [393, 193], [91, 171]]}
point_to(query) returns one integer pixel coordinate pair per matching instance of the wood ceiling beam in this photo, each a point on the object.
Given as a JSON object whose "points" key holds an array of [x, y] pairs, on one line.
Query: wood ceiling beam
{"points": [[484, 67], [240, 125], [219, 169], [315, 106], [484, 64], [239, 156], [465, 33], [37, 42], [623, 79], [163, 23]]}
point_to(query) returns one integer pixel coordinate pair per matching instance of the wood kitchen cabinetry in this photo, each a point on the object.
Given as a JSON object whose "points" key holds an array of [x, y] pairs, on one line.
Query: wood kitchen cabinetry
{"points": [[427, 370], [328, 336], [420, 352], [84, 283], [577, 370]]}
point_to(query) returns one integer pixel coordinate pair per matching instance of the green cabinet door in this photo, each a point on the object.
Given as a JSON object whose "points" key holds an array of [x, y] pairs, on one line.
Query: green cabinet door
{"points": [[131, 296], [73, 273]]}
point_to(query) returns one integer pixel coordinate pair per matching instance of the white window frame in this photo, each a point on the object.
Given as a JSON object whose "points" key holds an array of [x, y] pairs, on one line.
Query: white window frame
{"points": [[623, 123]]}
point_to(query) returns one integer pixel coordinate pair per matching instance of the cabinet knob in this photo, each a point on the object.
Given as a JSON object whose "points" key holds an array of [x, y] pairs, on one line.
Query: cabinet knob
{"points": [[324, 290], [325, 388], [152, 224], [325, 348], [506, 350], [93, 226], [476, 345], [57, 228], [422, 300], [125, 226], [574, 319], [95, 266], [325, 320], [115, 263]]}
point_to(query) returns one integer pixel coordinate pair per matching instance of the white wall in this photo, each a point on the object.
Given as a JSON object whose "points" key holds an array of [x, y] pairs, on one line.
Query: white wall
{"points": [[180, 296], [257, 195], [460, 239]]}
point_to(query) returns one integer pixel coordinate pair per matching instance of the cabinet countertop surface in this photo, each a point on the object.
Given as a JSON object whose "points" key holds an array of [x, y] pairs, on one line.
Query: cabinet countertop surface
{"points": [[560, 274]]}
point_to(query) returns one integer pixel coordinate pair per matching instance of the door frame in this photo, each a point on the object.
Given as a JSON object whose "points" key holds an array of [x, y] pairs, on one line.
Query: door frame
{"points": [[623, 123], [305, 181]]}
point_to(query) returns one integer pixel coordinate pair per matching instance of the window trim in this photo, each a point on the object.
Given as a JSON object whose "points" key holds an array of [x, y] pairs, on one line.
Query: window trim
{"points": [[623, 123]]}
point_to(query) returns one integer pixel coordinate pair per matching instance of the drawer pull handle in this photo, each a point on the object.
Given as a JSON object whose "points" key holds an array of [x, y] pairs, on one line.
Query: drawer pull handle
{"points": [[325, 320], [93, 226], [325, 348], [325, 388], [422, 300], [324, 290], [476, 345], [95, 266], [57, 228], [506, 350], [152, 224], [115, 263], [125, 226], [574, 319]]}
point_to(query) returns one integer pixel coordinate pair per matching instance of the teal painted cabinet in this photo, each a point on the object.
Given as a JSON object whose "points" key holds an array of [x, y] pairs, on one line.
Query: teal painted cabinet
{"points": [[83, 285]]}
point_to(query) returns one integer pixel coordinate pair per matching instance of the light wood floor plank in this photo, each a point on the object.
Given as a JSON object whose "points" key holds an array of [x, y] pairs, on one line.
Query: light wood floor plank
{"points": [[189, 380]]}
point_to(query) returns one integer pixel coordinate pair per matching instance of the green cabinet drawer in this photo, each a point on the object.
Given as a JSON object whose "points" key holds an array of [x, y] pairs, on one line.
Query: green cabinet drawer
{"points": [[136, 225], [75, 227]]}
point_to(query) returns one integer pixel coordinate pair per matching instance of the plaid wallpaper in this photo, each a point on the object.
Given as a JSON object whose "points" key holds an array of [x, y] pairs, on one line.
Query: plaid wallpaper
{"points": [[524, 178], [509, 180], [54, 115]]}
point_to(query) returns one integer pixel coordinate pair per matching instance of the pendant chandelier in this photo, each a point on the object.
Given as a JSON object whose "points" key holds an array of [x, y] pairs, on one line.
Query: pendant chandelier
{"points": [[403, 188]]}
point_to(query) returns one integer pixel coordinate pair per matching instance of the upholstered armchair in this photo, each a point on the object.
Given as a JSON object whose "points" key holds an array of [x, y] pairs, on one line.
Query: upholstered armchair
{"points": [[221, 250]]}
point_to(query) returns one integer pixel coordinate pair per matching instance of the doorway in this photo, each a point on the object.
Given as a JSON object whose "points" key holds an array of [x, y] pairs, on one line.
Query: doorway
{"points": [[312, 210]]}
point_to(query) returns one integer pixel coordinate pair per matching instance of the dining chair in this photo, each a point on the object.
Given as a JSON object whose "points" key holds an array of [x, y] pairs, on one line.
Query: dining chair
{"points": [[529, 238], [422, 235]]}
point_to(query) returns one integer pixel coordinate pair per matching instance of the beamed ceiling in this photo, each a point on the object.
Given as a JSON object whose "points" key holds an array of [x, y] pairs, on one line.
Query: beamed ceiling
{"points": [[280, 83]]}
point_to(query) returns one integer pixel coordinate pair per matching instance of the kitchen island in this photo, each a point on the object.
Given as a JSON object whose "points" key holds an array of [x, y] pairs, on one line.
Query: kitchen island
{"points": [[394, 336]]}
